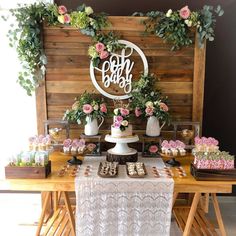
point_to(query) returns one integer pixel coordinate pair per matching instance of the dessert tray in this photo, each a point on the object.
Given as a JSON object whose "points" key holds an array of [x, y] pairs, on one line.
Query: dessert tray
{"points": [[171, 155], [213, 174], [136, 169], [108, 169]]}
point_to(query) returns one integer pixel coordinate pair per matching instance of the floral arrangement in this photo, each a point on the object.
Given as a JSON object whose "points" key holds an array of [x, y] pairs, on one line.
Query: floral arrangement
{"points": [[176, 27], [148, 101], [86, 105], [103, 46], [121, 118]]}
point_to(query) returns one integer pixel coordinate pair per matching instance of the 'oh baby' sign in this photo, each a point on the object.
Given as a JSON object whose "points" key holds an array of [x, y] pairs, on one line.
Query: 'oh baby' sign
{"points": [[116, 71]]}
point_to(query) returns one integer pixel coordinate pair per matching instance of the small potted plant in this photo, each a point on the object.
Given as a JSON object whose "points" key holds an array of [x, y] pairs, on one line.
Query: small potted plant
{"points": [[88, 110], [149, 102]]}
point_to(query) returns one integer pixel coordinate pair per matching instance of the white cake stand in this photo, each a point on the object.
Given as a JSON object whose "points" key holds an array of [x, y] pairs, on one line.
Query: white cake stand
{"points": [[122, 147]]}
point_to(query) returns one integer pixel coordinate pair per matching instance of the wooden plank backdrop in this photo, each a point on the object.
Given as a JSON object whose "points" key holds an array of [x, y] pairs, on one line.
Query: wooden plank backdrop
{"points": [[181, 73]]}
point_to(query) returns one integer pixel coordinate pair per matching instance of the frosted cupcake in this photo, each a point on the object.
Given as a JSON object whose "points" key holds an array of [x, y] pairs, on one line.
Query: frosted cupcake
{"points": [[67, 145]]}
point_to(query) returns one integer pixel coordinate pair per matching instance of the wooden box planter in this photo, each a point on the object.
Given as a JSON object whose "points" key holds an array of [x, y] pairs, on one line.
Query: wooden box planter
{"points": [[27, 172]]}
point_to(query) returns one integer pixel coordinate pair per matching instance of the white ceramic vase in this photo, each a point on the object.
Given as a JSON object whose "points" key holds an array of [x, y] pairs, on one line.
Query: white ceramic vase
{"points": [[92, 127], [153, 127]]}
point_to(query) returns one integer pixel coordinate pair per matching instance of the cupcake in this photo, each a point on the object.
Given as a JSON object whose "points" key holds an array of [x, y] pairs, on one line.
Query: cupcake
{"points": [[67, 145]]}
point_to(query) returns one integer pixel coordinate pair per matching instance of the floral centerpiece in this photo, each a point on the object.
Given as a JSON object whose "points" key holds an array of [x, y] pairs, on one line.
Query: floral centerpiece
{"points": [[121, 118], [148, 101], [87, 109]]}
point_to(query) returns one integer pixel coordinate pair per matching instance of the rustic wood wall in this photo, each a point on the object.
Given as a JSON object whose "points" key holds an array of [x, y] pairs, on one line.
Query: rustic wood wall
{"points": [[181, 73]]}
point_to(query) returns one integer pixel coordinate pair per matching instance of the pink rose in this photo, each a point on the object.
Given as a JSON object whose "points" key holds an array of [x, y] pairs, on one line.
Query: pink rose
{"points": [[173, 144], [117, 124], [164, 143], [67, 18], [138, 112], [87, 108], [103, 108], [153, 149], [184, 12], [100, 47], [91, 146], [124, 111], [149, 111], [163, 107], [104, 54], [118, 119], [62, 10]]}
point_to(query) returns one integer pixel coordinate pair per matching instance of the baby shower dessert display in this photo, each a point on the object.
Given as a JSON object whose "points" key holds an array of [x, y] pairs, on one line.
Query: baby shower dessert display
{"points": [[208, 156]]}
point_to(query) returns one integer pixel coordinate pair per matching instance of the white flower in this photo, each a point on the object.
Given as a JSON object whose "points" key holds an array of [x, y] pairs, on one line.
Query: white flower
{"points": [[188, 23], [88, 10], [125, 123], [149, 104], [116, 111], [78, 121], [152, 93], [95, 107], [169, 12]]}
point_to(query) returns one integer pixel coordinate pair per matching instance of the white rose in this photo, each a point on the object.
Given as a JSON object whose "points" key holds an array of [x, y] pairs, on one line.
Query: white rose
{"points": [[116, 111], [88, 10], [169, 12], [149, 104], [188, 23], [96, 107], [125, 123]]}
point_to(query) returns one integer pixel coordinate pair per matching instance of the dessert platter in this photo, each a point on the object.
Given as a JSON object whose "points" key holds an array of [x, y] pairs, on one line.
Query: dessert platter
{"points": [[136, 170], [108, 169], [121, 135], [75, 148], [210, 163], [171, 150]]}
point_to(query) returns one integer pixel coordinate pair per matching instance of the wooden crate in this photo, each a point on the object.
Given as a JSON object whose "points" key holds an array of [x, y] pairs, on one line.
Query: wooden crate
{"points": [[27, 172]]}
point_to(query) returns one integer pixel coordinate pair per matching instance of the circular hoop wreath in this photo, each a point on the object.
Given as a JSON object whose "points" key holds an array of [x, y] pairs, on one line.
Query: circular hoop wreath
{"points": [[127, 45]]}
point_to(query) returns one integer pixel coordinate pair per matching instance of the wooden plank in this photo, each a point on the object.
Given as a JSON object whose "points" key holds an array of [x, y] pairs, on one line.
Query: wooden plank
{"points": [[57, 222], [198, 81], [51, 221]]}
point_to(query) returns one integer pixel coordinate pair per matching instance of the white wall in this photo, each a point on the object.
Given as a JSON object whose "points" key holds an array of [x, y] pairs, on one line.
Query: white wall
{"points": [[17, 109]]}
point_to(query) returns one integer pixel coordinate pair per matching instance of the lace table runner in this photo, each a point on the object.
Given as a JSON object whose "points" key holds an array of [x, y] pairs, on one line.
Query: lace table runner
{"points": [[123, 205]]}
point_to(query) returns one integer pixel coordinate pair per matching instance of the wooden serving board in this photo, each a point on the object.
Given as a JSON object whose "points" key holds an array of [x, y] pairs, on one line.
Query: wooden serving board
{"points": [[137, 176], [27, 172], [212, 174]]}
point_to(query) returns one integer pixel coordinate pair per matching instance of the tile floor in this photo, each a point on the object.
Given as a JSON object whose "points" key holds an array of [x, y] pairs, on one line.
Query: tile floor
{"points": [[19, 213]]}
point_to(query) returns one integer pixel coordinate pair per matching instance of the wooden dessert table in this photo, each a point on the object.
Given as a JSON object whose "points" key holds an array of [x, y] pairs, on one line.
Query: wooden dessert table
{"points": [[186, 217]]}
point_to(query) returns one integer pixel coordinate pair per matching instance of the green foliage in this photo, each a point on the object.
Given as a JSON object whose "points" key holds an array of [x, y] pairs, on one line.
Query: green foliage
{"points": [[77, 113], [26, 37], [145, 95], [177, 30]]}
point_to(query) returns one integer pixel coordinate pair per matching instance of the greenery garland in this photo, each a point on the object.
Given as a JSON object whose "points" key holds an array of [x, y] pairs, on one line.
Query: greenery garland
{"points": [[174, 27]]}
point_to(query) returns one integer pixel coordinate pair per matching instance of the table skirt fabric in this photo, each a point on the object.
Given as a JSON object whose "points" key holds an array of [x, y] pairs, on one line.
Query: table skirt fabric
{"points": [[123, 205]]}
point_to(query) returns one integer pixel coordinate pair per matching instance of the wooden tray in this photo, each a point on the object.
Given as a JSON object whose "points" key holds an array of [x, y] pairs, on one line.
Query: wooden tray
{"points": [[27, 172], [171, 156], [211, 174], [137, 176], [108, 175]]}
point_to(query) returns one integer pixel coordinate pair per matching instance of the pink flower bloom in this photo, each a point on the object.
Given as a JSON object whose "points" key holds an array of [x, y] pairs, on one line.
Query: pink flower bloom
{"points": [[67, 19], [164, 143], [118, 119], [124, 111], [62, 10], [173, 144], [149, 111], [153, 149], [103, 108], [197, 140], [91, 146], [100, 47], [184, 12], [104, 54], [163, 107], [138, 112], [117, 124], [87, 108]]}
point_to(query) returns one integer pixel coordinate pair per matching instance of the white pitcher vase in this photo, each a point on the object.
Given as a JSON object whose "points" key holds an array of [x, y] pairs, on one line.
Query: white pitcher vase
{"points": [[153, 127], [92, 127]]}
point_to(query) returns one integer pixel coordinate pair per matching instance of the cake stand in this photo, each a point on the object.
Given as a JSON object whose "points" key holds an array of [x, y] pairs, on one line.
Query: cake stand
{"points": [[122, 153]]}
